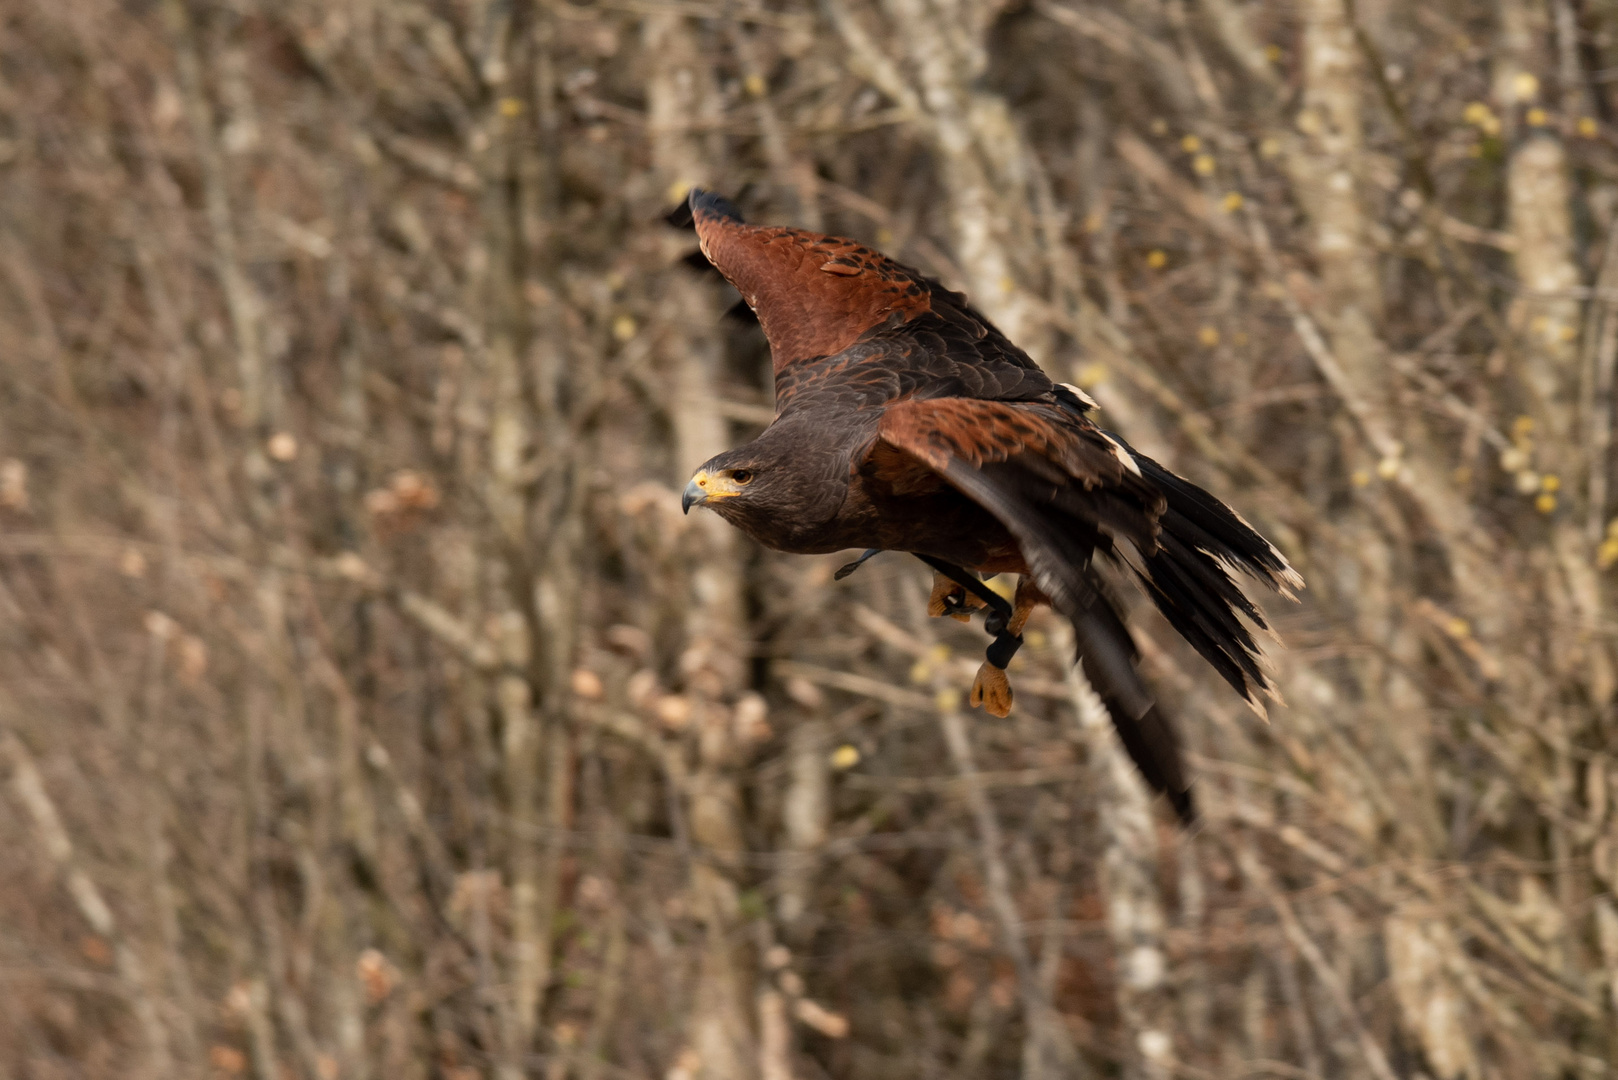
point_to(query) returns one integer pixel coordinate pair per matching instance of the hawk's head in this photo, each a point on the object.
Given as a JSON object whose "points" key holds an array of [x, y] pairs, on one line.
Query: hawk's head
{"points": [[780, 489], [739, 486]]}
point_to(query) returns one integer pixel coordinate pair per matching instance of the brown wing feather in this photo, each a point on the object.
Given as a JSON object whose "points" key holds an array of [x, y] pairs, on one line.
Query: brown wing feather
{"points": [[1048, 455], [815, 295], [902, 473]]}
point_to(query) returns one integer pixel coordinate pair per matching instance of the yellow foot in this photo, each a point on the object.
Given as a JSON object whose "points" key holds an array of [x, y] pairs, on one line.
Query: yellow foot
{"points": [[951, 599], [992, 690]]}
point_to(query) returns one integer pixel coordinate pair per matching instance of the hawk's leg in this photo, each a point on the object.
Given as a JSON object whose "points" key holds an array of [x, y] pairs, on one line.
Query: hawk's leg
{"points": [[951, 598], [953, 589], [991, 689]]}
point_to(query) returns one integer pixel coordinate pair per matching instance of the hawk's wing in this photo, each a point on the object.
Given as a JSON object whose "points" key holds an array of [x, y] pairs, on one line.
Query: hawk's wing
{"points": [[1064, 489], [827, 303]]}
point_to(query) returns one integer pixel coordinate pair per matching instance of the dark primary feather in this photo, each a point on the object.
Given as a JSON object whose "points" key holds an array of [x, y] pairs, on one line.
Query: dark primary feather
{"points": [[906, 421], [684, 214], [1187, 582]]}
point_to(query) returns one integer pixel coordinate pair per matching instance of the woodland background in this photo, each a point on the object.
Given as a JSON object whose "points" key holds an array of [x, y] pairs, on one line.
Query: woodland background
{"points": [[369, 710]]}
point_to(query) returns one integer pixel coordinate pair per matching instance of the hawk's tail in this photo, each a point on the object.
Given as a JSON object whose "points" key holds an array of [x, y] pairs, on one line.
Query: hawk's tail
{"points": [[1188, 577]]}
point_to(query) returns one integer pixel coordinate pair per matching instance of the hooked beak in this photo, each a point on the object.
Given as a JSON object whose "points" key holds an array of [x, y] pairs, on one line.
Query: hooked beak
{"points": [[694, 494], [706, 487]]}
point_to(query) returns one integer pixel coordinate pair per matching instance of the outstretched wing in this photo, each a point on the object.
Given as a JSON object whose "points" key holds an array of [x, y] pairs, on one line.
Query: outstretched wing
{"points": [[827, 303], [1065, 489]]}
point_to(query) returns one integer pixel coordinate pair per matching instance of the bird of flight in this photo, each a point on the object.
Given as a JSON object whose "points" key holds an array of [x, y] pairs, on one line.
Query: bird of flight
{"points": [[904, 421]]}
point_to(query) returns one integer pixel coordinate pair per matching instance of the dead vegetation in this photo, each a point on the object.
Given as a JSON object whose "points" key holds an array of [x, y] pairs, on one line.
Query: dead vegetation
{"points": [[368, 709]]}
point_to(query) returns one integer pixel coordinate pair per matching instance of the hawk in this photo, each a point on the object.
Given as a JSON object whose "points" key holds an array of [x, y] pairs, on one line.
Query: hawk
{"points": [[905, 421]]}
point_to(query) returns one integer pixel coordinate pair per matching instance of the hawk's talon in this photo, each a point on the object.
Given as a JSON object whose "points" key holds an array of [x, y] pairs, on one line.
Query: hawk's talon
{"points": [[951, 598], [992, 690]]}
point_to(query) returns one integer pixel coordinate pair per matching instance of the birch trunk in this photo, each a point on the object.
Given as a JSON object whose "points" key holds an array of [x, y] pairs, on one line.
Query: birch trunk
{"points": [[720, 1029]]}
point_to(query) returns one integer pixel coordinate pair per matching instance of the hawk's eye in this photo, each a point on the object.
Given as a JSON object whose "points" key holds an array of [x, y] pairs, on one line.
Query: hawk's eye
{"points": [[742, 476]]}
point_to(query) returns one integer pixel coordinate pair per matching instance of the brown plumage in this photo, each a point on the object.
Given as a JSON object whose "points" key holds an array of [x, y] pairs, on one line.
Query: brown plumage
{"points": [[906, 422]]}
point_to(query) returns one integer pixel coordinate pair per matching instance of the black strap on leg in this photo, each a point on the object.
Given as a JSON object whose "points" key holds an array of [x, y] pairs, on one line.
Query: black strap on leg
{"points": [[1002, 649], [1005, 644], [971, 583]]}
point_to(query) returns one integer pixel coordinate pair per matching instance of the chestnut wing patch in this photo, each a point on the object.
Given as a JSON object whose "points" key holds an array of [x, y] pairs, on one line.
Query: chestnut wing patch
{"points": [[814, 295], [1032, 453]]}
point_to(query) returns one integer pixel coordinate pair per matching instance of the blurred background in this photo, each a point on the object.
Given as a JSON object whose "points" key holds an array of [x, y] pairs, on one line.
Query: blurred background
{"points": [[369, 710]]}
